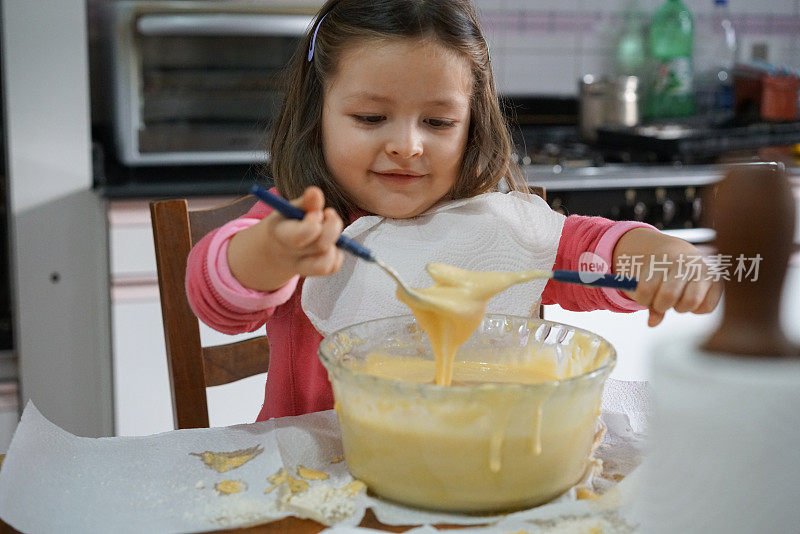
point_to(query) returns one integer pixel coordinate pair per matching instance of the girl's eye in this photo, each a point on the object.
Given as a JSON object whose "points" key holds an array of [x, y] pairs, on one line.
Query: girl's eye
{"points": [[440, 123], [369, 119], [375, 119]]}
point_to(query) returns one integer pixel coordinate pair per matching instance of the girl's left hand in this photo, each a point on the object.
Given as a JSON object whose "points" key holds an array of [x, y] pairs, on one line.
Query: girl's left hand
{"points": [[670, 271]]}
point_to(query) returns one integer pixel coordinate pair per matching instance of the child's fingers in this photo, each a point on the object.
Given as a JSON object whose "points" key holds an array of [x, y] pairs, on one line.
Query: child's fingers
{"points": [[693, 296], [655, 318], [312, 199], [321, 264], [668, 294], [645, 292], [305, 233], [711, 300], [330, 229], [332, 226], [299, 234]]}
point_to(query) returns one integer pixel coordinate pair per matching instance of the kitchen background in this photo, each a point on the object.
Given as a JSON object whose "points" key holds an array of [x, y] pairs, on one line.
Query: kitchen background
{"points": [[539, 49], [545, 46]]}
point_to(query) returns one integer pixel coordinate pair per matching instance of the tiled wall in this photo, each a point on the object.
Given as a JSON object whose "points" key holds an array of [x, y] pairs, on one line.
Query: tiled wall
{"points": [[545, 46]]}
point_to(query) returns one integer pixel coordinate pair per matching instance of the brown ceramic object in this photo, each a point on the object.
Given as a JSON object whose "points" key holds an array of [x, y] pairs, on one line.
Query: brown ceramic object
{"points": [[753, 212]]}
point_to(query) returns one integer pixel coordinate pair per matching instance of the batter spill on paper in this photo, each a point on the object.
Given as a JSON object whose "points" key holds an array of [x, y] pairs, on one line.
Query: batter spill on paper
{"points": [[225, 461]]}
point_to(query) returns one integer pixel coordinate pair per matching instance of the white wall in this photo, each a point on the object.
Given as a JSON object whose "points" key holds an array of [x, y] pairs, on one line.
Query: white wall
{"points": [[58, 224], [545, 46]]}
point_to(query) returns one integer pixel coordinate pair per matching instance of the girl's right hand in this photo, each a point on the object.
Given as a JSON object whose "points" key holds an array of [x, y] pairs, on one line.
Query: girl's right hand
{"points": [[268, 254]]}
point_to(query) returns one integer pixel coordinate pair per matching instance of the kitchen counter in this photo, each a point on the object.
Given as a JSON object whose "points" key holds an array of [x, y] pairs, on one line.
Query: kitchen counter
{"points": [[115, 181], [556, 178], [184, 184]]}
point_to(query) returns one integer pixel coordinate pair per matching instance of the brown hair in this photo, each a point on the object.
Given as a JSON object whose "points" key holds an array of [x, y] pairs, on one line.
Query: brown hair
{"points": [[296, 156]]}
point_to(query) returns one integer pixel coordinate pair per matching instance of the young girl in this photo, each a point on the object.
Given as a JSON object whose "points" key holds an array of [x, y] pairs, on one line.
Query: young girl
{"points": [[391, 120]]}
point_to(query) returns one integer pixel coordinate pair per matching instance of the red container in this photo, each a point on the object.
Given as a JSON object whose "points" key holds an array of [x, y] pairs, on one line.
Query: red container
{"points": [[779, 98]]}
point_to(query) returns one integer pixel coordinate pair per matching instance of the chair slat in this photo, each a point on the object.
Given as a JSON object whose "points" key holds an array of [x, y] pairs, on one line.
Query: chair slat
{"points": [[224, 364], [202, 222]]}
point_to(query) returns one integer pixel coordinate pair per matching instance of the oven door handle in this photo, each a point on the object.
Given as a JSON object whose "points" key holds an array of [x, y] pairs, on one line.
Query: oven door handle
{"points": [[222, 24]]}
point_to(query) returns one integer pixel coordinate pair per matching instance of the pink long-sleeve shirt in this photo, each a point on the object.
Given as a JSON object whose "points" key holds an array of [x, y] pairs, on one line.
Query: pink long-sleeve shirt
{"points": [[297, 382]]}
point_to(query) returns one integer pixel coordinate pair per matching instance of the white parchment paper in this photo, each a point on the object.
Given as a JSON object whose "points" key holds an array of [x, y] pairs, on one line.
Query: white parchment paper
{"points": [[53, 481]]}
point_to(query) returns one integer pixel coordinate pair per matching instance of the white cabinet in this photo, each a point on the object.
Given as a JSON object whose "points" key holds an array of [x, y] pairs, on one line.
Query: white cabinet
{"points": [[58, 254], [142, 403]]}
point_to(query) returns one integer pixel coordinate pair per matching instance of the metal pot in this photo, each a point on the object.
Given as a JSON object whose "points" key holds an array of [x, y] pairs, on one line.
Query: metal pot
{"points": [[608, 102]]}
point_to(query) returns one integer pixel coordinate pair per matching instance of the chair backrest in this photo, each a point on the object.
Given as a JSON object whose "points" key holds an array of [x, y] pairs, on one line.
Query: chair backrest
{"points": [[191, 366], [538, 191]]}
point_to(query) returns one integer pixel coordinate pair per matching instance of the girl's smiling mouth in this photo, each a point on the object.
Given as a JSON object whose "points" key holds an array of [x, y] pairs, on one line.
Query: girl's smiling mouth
{"points": [[399, 175]]}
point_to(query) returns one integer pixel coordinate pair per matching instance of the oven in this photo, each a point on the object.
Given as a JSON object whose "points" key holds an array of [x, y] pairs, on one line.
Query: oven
{"points": [[196, 82]]}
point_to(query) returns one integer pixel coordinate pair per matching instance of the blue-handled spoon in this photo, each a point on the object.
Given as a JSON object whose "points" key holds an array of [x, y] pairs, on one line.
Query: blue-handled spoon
{"points": [[585, 278], [290, 211]]}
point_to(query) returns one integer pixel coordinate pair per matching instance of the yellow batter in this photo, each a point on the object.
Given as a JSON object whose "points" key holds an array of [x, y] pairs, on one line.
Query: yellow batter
{"points": [[225, 461], [229, 487], [452, 308], [487, 447], [479, 449], [281, 476]]}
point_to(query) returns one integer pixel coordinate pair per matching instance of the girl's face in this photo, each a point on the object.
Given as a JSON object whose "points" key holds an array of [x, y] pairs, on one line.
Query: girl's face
{"points": [[394, 124]]}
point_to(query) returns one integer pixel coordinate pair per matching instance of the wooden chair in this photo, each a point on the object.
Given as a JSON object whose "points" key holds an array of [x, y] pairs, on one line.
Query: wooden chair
{"points": [[193, 367]]}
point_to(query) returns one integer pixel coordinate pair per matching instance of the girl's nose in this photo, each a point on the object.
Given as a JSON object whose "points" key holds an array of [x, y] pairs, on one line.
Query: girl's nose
{"points": [[405, 142]]}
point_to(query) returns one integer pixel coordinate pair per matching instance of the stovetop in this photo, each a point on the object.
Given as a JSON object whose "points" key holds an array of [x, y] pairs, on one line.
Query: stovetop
{"points": [[647, 174], [545, 134]]}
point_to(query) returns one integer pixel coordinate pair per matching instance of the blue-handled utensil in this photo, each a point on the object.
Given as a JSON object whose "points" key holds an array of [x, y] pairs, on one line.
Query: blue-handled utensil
{"points": [[290, 211], [585, 278]]}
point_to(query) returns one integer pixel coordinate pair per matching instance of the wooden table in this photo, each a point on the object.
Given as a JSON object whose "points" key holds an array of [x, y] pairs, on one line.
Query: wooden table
{"points": [[287, 525]]}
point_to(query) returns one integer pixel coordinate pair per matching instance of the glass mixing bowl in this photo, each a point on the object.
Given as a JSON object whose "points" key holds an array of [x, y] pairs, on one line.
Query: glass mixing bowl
{"points": [[476, 447]]}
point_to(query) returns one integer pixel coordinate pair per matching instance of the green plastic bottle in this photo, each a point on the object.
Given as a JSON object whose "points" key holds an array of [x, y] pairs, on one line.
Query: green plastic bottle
{"points": [[631, 57], [670, 47]]}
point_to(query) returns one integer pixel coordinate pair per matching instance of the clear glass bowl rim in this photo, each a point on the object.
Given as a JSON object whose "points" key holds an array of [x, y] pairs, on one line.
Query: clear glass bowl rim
{"points": [[426, 388]]}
